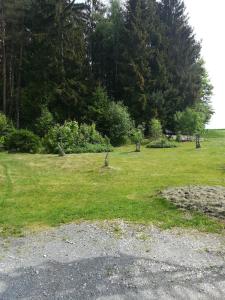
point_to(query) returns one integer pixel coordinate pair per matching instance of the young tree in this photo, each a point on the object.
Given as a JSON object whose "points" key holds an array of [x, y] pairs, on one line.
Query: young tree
{"points": [[118, 123], [137, 136], [112, 118], [190, 122], [44, 122], [155, 129]]}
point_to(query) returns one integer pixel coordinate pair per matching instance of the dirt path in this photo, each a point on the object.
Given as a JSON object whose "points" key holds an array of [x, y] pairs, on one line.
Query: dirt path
{"points": [[112, 261]]}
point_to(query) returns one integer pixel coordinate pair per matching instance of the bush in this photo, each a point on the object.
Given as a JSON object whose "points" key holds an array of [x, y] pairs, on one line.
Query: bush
{"points": [[163, 143], [65, 135], [189, 122], [118, 124], [5, 128], [44, 122], [23, 141], [73, 138], [112, 118], [155, 129], [178, 138]]}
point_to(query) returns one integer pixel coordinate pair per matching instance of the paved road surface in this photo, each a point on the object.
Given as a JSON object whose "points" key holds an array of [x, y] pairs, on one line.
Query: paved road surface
{"points": [[112, 261]]}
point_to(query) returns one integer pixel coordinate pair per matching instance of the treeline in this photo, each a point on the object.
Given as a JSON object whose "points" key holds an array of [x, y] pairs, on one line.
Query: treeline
{"points": [[65, 61]]}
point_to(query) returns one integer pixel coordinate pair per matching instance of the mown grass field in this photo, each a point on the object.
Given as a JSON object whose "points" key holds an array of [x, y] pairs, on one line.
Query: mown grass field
{"points": [[39, 190]]}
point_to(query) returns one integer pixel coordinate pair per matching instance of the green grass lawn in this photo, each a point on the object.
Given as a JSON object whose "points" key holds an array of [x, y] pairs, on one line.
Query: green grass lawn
{"points": [[39, 190]]}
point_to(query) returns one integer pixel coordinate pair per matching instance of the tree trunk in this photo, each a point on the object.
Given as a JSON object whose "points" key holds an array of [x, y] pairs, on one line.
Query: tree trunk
{"points": [[138, 147], [4, 63], [11, 83], [106, 164], [197, 141], [61, 150], [18, 93]]}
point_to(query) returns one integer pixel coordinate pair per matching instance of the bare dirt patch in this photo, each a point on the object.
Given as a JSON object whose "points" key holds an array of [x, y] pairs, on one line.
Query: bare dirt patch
{"points": [[204, 199]]}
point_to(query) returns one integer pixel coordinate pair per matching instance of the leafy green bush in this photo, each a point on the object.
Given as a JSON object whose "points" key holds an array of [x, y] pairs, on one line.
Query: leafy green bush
{"points": [[73, 138], [112, 118], [155, 129], [5, 128], [22, 140], [189, 121], [178, 138], [119, 123], [44, 122], [65, 135], [162, 143]]}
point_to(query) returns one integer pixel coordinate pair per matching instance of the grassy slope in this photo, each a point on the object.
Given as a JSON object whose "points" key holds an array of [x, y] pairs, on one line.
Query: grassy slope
{"points": [[49, 190]]}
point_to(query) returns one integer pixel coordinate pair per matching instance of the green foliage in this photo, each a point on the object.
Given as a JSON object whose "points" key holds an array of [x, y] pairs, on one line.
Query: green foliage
{"points": [[137, 136], [5, 128], [155, 129], [178, 137], [107, 48], [190, 122], [118, 123], [162, 143], [181, 74], [44, 122], [144, 54], [23, 141], [205, 111], [112, 118], [5, 125], [74, 138], [98, 108], [66, 134]]}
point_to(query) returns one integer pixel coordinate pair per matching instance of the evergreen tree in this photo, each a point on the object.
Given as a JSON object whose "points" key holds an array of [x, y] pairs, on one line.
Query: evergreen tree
{"points": [[107, 49], [182, 53], [54, 54], [14, 38], [136, 72], [56, 70]]}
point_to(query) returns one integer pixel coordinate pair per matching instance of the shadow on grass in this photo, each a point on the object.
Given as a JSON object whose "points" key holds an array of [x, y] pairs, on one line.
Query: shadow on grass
{"points": [[123, 277]]}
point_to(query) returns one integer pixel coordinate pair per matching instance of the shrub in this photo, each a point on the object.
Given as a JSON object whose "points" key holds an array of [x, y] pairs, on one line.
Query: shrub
{"points": [[118, 124], [44, 122], [73, 138], [23, 141], [162, 143], [5, 128], [89, 135], [99, 105], [178, 138], [155, 129], [112, 118], [189, 122], [65, 135]]}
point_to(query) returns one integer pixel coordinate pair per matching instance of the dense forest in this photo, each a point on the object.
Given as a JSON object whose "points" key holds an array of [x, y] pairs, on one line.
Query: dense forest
{"points": [[65, 60]]}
